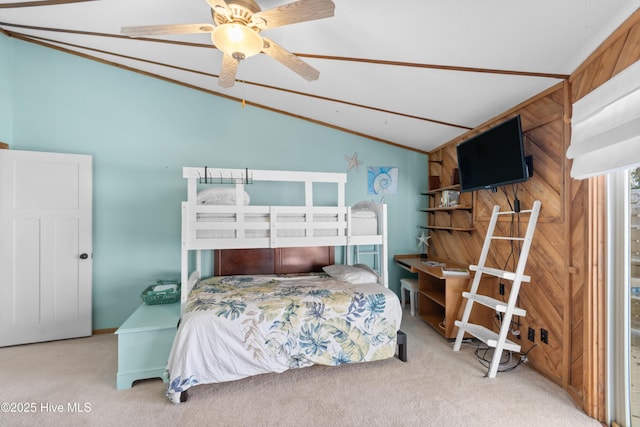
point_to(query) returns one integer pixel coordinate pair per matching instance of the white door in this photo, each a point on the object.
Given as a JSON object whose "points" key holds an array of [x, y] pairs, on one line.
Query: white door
{"points": [[45, 246]]}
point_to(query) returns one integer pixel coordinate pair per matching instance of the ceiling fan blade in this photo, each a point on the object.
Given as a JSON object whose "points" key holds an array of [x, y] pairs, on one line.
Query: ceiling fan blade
{"points": [[289, 60], [227, 76], [291, 13], [158, 30], [220, 7]]}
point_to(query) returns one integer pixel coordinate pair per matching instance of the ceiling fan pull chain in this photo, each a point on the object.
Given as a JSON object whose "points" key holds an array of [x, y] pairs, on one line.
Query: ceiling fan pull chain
{"points": [[243, 85]]}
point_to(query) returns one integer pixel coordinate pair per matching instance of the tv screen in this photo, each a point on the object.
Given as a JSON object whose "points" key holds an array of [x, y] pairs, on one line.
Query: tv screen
{"points": [[493, 158]]}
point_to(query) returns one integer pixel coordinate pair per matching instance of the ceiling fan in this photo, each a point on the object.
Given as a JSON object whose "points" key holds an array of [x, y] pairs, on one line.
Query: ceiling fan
{"points": [[236, 28]]}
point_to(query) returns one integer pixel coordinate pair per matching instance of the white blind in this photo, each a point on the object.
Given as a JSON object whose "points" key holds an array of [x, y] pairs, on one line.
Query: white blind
{"points": [[605, 127]]}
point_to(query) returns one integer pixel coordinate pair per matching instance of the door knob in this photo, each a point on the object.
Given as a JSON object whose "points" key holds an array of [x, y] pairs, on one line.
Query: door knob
{"points": [[84, 256]]}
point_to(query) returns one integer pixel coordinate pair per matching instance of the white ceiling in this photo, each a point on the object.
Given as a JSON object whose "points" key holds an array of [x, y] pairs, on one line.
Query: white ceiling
{"points": [[411, 72]]}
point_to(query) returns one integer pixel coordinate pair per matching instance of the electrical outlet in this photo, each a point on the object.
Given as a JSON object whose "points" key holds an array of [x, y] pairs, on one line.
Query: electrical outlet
{"points": [[501, 288], [531, 334], [544, 336]]}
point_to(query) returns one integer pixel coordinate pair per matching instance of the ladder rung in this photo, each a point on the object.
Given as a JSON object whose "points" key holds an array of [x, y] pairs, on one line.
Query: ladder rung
{"points": [[499, 273], [507, 238], [369, 251], [487, 336], [513, 212], [497, 305]]}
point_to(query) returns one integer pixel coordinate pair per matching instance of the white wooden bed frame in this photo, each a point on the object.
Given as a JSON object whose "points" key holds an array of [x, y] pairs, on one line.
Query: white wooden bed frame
{"points": [[343, 229]]}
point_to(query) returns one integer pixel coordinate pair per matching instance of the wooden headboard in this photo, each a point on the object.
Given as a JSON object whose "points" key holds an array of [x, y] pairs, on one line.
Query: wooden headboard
{"points": [[228, 262]]}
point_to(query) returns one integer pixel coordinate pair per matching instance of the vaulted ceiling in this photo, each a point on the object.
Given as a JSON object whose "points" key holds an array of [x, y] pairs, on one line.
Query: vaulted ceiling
{"points": [[415, 73]]}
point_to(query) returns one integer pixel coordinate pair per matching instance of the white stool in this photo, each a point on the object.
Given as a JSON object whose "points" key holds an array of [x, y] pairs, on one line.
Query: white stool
{"points": [[410, 285]]}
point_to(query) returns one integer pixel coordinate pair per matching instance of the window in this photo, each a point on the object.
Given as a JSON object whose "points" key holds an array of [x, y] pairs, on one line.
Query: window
{"points": [[624, 296]]}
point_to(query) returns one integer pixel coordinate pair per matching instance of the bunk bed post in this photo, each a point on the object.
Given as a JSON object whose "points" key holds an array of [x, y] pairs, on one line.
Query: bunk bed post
{"points": [[273, 233], [308, 193], [341, 198], [199, 261], [192, 189], [348, 248], [384, 260], [240, 218], [184, 268], [188, 233]]}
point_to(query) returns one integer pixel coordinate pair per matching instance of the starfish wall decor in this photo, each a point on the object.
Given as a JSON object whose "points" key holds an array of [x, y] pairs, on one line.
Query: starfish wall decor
{"points": [[353, 162]]}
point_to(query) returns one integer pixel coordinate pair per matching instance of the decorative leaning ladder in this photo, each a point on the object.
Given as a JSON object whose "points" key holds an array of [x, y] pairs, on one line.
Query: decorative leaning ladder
{"points": [[499, 340]]}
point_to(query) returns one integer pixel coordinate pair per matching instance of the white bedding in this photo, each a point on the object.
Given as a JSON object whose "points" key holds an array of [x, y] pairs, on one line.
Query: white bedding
{"points": [[238, 326]]}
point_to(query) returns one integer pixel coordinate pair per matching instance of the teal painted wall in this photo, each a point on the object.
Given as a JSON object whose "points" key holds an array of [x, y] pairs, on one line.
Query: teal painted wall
{"points": [[141, 132]]}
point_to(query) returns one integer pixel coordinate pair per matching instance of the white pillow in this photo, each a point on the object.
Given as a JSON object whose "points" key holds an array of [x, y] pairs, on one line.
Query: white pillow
{"points": [[354, 274], [220, 196], [363, 206]]}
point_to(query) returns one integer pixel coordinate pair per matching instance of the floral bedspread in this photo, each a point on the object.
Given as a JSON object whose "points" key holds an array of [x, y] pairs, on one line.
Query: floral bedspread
{"points": [[238, 326]]}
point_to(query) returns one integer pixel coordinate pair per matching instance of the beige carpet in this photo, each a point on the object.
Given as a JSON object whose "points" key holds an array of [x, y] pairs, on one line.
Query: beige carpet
{"points": [[437, 387]]}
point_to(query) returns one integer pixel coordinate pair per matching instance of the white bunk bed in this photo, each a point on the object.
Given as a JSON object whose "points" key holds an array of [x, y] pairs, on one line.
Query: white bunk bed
{"points": [[240, 225], [237, 326]]}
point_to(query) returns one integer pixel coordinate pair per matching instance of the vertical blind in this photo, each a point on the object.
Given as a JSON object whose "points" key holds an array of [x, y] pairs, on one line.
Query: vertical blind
{"points": [[605, 127]]}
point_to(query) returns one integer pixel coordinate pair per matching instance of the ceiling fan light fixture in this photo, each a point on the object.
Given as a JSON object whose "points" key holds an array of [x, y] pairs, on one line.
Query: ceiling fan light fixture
{"points": [[237, 40]]}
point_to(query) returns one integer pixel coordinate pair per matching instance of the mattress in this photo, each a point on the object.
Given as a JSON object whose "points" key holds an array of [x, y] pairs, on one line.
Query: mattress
{"points": [[238, 326]]}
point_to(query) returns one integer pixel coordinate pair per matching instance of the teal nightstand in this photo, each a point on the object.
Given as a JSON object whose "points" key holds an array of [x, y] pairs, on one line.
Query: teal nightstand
{"points": [[144, 343]]}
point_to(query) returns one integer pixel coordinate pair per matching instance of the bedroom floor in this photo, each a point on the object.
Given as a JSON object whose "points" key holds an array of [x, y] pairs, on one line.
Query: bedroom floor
{"points": [[72, 383]]}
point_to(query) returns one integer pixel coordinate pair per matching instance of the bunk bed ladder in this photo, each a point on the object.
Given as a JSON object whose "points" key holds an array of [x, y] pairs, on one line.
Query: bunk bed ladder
{"points": [[371, 250], [507, 310]]}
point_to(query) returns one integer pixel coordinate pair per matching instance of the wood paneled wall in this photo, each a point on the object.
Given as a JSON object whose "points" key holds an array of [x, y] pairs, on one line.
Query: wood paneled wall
{"points": [[545, 297], [586, 376], [566, 263], [619, 51]]}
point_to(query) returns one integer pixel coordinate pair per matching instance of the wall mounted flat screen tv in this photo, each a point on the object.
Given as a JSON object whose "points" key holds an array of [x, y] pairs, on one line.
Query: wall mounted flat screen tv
{"points": [[493, 158]]}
